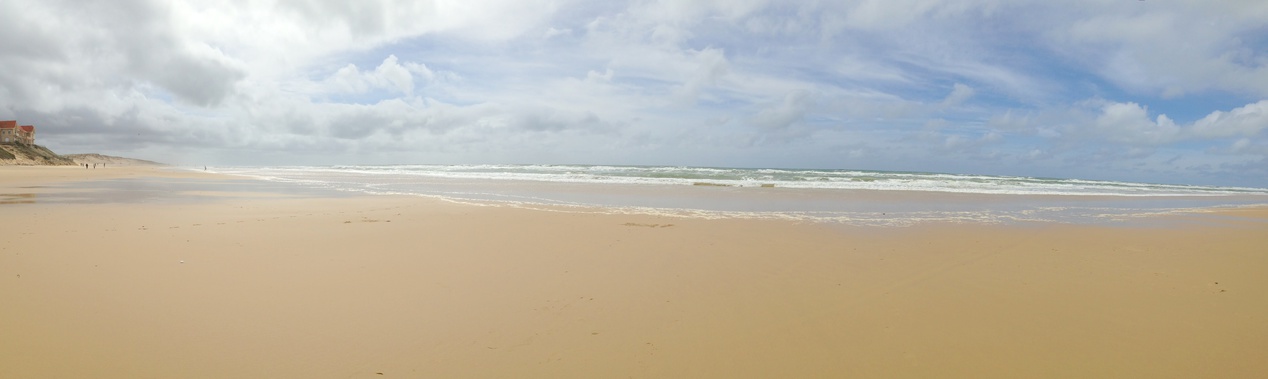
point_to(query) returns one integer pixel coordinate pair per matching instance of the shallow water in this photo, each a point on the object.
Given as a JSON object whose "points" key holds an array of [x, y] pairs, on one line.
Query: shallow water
{"points": [[163, 190], [884, 199]]}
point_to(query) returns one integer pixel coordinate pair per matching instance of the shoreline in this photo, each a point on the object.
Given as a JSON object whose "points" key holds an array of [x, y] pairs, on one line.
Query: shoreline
{"points": [[858, 207], [240, 285]]}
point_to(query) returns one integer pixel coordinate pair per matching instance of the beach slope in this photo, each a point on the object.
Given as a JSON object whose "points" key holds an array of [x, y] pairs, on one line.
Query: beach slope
{"points": [[284, 286]]}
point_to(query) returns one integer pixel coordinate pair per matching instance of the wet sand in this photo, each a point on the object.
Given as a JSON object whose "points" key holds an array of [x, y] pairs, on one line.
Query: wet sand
{"points": [[377, 286]]}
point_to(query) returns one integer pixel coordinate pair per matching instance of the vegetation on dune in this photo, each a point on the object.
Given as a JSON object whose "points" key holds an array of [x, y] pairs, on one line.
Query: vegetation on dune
{"points": [[21, 154]]}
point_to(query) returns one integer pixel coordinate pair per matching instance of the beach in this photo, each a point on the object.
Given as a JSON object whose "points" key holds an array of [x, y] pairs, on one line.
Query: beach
{"points": [[209, 281]]}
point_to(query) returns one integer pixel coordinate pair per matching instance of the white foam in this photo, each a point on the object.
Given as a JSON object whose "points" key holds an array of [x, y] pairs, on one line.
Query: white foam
{"points": [[487, 185], [803, 179]]}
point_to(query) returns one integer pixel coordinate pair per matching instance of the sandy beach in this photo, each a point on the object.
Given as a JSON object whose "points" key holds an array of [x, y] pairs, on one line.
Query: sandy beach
{"points": [[247, 285]]}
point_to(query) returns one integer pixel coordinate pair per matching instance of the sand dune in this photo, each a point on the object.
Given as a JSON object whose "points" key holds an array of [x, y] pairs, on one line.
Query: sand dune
{"points": [[109, 160]]}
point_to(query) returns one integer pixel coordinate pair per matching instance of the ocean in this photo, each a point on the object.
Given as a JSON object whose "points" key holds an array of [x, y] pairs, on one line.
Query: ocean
{"points": [[840, 196]]}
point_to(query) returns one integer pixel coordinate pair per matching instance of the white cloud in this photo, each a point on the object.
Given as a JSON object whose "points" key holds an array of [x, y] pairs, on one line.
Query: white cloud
{"points": [[959, 93], [1248, 120], [1169, 48], [1129, 123], [391, 75], [711, 66], [692, 80], [1240, 145]]}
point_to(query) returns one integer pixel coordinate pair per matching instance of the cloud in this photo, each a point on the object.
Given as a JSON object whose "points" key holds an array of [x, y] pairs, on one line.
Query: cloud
{"points": [[1129, 123], [391, 75], [959, 93], [791, 110], [979, 85], [877, 14], [1170, 49], [1248, 120], [551, 32], [711, 65], [201, 79], [84, 46]]}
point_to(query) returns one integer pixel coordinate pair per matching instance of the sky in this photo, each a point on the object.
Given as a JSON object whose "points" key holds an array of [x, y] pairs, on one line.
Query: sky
{"points": [[1153, 90]]}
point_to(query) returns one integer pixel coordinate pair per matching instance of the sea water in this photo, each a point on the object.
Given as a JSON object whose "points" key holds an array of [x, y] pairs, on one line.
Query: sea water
{"points": [[848, 196]]}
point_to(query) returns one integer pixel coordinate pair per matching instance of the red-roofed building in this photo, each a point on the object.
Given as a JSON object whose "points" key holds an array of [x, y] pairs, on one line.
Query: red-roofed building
{"points": [[10, 132], [26, 134]]}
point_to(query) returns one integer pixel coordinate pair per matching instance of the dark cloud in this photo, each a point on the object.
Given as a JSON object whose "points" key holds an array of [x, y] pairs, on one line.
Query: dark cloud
{"points": [[106, 45], [199, 80], [25, 38], [81, 129], [143, 32]]}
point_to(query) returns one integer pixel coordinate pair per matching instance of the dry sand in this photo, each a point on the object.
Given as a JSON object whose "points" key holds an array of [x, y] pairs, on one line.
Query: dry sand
{"points": [[370, 287]]}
